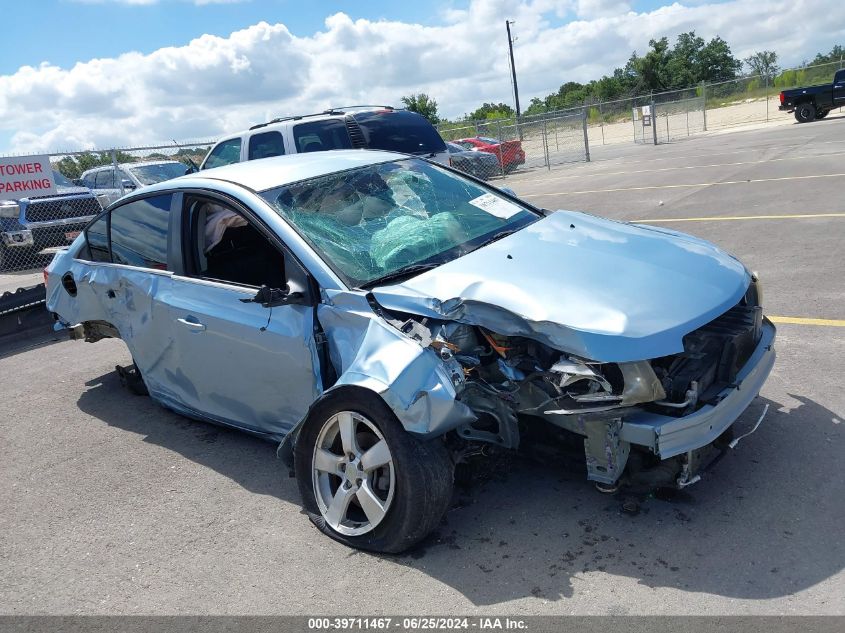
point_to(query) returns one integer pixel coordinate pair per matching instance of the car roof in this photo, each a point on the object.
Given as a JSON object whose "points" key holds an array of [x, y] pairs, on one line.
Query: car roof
{"points": [[268, 173], [331, 113]]}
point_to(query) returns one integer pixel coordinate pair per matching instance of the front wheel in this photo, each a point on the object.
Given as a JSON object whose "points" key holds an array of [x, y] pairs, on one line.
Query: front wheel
{"points": [[365, 481], [805, 113]]}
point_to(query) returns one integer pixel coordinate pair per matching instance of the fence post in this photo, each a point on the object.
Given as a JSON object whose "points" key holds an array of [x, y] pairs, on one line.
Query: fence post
{"points": [[116, 175], [704, 103], [601, 122], [557, 144], [767, 98], [653, 107], [634, 118], [501, 154], [546, 145], [586, 136]]}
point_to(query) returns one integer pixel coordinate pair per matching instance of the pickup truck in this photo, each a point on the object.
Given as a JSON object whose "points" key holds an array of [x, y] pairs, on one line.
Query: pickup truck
{"points": [[814, 102], [30, 225]]}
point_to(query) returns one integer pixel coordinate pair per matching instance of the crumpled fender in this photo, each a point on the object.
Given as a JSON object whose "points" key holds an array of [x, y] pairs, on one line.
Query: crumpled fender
{"points": [[368, 352]]}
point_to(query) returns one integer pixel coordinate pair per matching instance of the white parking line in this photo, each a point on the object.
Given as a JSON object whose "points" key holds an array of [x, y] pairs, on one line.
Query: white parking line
{"points": [[675, 168], [699, 184]]}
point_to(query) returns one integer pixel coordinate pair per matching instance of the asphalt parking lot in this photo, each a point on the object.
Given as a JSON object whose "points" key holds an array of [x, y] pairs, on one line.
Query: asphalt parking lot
{"points": [[111, 504]]}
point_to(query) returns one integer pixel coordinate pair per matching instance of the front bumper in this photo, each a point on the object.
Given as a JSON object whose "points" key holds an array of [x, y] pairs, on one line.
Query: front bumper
{"points": [[41, 235], [668, 436]]}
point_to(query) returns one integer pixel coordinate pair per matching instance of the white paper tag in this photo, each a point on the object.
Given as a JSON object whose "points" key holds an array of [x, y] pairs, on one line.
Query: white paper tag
{"points": [[495, 205]]}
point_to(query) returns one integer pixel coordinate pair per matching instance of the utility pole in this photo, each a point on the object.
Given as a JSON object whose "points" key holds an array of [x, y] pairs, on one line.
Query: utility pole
{"points": [[513, 66]]}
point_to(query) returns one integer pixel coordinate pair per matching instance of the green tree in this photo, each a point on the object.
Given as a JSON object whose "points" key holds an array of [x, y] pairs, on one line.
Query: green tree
{"points": [[837, 54], [652, 71], [492, 111], [717, 63], [75, 166], [763, 63], [422, 104]]}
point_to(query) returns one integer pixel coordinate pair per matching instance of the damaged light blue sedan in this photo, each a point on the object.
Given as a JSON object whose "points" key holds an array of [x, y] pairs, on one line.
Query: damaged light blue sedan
{"points": [[384, 318]]}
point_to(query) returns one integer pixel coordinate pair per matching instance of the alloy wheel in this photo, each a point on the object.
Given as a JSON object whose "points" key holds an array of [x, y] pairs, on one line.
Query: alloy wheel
{"points": [[353, 474]]}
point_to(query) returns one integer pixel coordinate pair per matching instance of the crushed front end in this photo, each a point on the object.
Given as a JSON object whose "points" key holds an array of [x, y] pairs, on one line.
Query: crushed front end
{"points": [[653, 422]]}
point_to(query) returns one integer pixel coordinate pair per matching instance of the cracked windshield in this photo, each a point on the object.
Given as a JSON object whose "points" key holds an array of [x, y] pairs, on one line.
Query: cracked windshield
{"points": [[375, 223]]}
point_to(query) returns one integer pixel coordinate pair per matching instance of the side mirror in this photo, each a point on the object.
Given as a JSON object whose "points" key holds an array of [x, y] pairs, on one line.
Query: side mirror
{"points": [[272, 297], [128, 185], [508, 191]]}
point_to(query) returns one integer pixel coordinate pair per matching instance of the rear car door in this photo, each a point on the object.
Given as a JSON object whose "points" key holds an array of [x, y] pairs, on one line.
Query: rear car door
{"points": [[128, 274], [839, 89], [240, 363]]}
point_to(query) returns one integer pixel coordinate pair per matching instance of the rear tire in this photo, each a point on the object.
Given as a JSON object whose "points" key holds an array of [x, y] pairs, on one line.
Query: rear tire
{"points": [[805, 113], [389, 502]]}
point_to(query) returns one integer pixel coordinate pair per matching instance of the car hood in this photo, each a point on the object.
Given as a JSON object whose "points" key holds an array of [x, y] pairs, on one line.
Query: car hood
{"points": [[603, 290], [70, 191]]}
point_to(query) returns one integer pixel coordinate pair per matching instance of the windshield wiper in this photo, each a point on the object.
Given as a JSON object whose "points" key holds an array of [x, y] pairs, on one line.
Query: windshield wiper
{"points": [[501, 234], [407, 271]]}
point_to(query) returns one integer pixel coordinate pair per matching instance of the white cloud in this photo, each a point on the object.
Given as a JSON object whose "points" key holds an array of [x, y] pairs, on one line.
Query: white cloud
{"points": [[213, 85], [601, 8]]}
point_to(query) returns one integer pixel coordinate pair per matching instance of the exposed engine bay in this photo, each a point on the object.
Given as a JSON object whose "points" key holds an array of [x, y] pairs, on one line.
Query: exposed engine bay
{"points": [[512, 382]]}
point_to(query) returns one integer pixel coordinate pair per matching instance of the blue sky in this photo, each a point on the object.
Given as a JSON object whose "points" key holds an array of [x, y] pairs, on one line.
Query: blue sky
{"points": [[63, 32], [83, 74], [106, 29]]}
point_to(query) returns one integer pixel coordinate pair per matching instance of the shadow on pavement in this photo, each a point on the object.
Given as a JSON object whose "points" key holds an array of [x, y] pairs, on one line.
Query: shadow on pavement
{"points": [[765, 523]]}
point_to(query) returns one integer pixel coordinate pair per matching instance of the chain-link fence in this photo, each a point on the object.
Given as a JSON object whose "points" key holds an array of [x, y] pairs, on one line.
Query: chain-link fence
{"points": [[681, 113], [496, 148], [33, 228]]}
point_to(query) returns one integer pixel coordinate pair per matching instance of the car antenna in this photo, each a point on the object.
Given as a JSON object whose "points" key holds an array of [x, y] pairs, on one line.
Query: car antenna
{"points": [[191, 163]]}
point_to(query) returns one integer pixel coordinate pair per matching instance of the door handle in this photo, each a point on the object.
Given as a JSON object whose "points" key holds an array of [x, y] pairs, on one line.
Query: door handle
{"points": [[192, 325]]}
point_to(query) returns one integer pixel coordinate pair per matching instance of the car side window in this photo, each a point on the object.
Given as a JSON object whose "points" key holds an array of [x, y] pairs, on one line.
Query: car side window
{"points": [[265, 145], [226, 153], [226, 247], [138, 232], [97, 238], [121, 177], [105, 179], [89, 181], [318, 136]]}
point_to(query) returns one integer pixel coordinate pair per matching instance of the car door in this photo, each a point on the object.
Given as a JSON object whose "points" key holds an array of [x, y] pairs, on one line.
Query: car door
{"points": [[839, 89], [129, 271], [240, 363]]}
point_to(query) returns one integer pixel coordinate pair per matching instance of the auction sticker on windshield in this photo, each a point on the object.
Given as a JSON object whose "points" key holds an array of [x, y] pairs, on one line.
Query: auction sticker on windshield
{"points": [[494, 205], [26, 176]]}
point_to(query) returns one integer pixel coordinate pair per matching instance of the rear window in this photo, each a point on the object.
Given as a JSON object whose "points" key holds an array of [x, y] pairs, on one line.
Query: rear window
{"points": [[402, 131], [319, 136]]}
